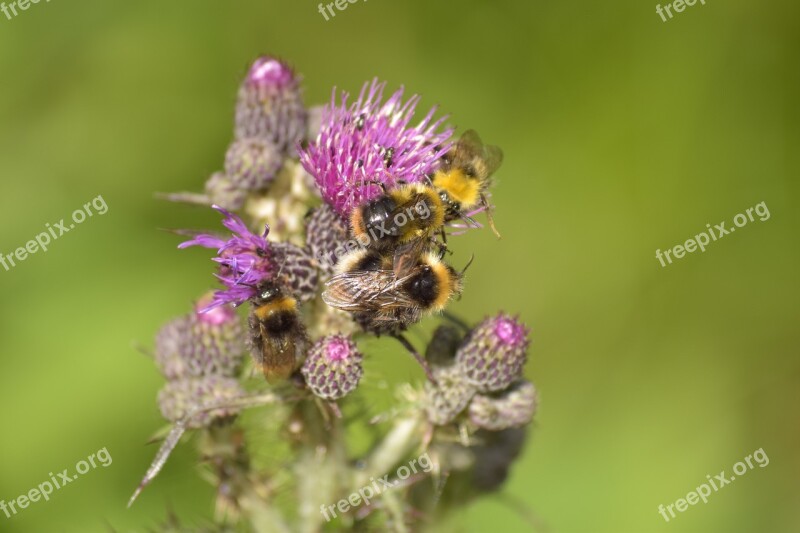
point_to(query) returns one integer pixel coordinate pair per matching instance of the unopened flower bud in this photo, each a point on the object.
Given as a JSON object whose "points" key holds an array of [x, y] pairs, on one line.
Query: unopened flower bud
{"points": [[325, 232], [333, 367], [448, 398], [513, 407], [270, 105], [251, 163], [493, 355], [201, 344], [180, 398]]}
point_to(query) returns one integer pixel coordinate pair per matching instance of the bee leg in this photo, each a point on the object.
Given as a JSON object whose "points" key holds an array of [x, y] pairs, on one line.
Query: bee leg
{"points": [[421, 360], [489, 216], [378, 183]]}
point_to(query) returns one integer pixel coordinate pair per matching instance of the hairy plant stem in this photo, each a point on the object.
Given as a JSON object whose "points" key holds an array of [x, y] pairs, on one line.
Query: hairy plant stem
{"points": [[406, 435]]}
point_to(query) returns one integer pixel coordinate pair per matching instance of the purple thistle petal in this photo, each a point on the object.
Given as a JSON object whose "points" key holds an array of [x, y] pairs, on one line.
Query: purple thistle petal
{"points": [[372, 142], [245, 261]]}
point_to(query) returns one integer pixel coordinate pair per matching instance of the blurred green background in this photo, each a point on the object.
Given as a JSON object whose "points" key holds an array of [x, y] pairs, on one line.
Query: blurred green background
{"points": [[622, 134]]}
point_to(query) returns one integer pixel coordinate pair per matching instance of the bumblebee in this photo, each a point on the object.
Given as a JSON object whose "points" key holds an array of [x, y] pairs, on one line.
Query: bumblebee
{"points": [[401, 215], [464, 177], [277, 334], [367, 286]]}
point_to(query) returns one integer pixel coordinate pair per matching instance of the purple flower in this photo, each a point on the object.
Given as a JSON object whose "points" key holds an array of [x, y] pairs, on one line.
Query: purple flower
{"points": [[369, 141], [245, 260]]}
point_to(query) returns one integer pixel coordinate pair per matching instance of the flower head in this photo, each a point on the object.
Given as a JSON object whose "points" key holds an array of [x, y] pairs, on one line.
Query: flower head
{"points": [[251, 163], [514, 407], [270, 105], [370, 141], [333, 367], [201, 344], [448, 398], [493, 355], [245, 260], [179, 398], [325, 232]]}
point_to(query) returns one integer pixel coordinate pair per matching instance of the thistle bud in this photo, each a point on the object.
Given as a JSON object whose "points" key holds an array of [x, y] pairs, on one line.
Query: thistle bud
{"points": [[448, 398], [493, 355], [201, 344], [221, 191], [325, 232], [297, 270], [270, 105], [251, 163], [513, 407], [333, 367], [179, 398]]}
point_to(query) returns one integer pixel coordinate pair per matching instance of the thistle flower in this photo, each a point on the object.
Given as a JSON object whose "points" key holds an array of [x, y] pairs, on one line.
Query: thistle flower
{"points": [[177, 398], [494, 353], [370, 141], [201, 344], [448, 398], [270, 105], [333, 367], [514, 407], [246, 260]]}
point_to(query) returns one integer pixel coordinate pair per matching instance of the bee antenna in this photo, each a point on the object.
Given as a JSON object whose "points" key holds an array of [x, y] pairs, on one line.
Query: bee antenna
{"points": [[471, 259]]}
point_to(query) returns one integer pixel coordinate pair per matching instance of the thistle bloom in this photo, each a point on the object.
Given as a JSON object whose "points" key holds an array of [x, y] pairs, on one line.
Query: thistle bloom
{"points": [[246, 260], [493, 355], [370, 141]]}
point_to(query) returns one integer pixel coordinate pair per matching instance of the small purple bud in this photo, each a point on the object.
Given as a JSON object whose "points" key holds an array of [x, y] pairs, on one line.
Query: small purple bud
{"points": [[494, 353], [333, 367]]}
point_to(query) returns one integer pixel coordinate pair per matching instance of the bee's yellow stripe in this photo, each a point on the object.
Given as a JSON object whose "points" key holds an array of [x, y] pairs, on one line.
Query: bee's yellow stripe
{"points": [[285, 303]]}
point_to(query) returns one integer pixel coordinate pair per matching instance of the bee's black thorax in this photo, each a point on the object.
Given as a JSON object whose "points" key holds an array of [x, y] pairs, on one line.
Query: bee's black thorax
{"points": [[423, 287]]}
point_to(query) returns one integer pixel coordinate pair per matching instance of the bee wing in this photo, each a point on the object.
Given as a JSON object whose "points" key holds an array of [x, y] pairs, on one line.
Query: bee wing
{"points": [[470, 145], [493, 156], [366, 290], [406, 256], [278, 355]]}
